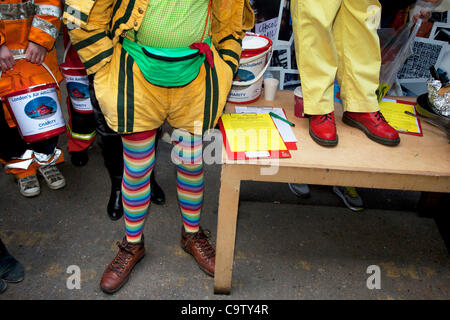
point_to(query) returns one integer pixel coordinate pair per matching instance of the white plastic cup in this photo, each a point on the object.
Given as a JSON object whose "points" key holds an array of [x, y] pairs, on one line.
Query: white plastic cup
{"points": [[270, 88]]}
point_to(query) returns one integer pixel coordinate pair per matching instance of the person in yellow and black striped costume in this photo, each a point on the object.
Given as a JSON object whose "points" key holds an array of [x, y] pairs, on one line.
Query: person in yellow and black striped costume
{"points": [[157, 61]]}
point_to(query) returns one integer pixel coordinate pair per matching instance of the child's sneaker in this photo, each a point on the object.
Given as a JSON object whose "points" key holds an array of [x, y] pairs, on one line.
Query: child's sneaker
{"points": [[350, 197], [300, 190], [52, 176], [29, 186]]}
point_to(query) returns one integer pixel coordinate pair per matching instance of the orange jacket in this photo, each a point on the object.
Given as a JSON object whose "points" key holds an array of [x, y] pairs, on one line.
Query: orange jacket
{"points": [[22, 21]]}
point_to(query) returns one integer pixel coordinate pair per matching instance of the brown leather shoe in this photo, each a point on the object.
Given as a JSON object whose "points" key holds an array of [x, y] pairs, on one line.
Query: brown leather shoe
{"points": [[197, 245], [118, 271]]}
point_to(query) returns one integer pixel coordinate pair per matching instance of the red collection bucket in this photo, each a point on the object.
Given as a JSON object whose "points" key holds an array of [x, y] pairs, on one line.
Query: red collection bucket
{"points": [[255, 59], [36, 112], [77, 83]]}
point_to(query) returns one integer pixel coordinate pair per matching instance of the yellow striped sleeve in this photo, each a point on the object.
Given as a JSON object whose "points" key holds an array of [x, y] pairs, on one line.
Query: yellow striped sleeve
{"points": [[87, 22], [76, 13], [230, 20]]}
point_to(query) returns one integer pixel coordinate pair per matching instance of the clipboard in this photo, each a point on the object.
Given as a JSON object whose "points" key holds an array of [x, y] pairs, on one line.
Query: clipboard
{"points": [[252, 143], [417, 131]]}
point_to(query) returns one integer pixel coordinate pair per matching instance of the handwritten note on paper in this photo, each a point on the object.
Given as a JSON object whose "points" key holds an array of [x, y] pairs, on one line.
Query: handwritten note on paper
{"points": [[395, 115], [252, 132], [267, 28], [285, 129]]}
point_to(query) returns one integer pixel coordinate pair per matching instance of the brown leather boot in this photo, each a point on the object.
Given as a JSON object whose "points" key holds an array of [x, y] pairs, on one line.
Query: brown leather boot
{"points": [[118, 271], [197, 245]]}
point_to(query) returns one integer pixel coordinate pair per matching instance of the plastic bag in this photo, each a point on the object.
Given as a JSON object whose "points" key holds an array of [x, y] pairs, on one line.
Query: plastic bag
{"points": [[396, 47]]}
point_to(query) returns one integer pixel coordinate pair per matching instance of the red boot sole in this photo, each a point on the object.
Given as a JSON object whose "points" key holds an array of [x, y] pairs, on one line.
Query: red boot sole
{"points": [[385, 141], [323, 142]]}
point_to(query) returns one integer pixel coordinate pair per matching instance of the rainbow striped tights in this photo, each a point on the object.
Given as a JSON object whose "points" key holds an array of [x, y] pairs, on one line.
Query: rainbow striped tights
{"points": [[139, 160]]}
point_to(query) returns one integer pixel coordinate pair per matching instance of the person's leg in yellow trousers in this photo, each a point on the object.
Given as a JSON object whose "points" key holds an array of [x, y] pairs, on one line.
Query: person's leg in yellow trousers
{"points": [[338, 38], [359, 57]]}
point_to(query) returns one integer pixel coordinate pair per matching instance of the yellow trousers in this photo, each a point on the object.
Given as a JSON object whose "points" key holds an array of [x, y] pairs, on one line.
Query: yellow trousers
{"points": [[337, 38]]}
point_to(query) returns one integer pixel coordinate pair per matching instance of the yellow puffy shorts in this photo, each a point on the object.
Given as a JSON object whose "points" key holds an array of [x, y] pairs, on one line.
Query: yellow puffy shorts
{"points": [[131, 104], [337, 38]]}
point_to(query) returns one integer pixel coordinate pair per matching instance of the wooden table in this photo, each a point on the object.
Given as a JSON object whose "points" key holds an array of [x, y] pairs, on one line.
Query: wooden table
{"points": [[418, 163]]}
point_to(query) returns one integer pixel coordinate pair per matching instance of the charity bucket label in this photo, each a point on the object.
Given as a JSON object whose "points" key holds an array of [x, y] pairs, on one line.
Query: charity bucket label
{"points": [[78, 89], [255, 58], [249, 71], [37, 112]]}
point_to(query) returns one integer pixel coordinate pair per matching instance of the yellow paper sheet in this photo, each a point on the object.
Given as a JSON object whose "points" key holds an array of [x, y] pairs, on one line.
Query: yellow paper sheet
{"points": [[252, 132], [395, 115]]}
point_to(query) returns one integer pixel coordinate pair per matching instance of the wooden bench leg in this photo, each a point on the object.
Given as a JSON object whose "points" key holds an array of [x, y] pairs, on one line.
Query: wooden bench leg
{"points": [[226, 229]]}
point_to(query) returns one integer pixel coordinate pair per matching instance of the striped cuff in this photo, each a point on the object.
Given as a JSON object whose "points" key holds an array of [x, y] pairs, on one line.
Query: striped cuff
{"points": [[94, 48], [48, 10], [81, 136], [45, 26]]}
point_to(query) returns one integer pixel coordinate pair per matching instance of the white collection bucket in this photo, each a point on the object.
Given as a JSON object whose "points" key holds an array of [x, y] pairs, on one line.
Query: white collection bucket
{"points": [[255, 59], [36, 110]]}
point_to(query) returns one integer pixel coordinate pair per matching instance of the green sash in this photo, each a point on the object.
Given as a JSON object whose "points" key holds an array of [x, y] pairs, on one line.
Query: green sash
{"points": [[166, 67]]}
